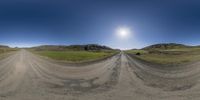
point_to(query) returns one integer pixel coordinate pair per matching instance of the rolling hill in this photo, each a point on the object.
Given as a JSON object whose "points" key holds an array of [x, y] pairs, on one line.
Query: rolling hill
{"points": [[165, 46], [88, 47], [4, 46]]}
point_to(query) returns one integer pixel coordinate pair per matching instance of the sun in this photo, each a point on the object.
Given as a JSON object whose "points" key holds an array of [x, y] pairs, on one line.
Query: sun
{"points": [[123, 32]]}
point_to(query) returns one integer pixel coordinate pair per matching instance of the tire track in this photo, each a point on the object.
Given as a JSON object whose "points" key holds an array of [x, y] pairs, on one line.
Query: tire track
{"points": [[25, 76]]}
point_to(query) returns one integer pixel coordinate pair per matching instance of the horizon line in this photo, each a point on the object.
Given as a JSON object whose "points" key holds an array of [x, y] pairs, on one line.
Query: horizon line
{"points": [[36, 45]]}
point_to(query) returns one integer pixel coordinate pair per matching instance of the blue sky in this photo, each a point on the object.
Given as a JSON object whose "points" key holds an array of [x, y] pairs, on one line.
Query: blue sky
{"points": [[65, 22]]}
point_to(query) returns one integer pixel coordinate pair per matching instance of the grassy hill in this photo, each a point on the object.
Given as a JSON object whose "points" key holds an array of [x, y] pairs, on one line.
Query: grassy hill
{"points": [[89, 47], [74, 53], [167, 53], [165, 46]]}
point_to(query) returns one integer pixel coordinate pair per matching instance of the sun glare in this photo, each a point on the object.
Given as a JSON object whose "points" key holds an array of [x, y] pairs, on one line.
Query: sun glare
{"points": [[123, 32]]}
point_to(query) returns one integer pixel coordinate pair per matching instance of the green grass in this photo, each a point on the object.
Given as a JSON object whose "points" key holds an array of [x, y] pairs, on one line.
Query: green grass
{"points": [[75, 56], [170, 56], [136, 51]]}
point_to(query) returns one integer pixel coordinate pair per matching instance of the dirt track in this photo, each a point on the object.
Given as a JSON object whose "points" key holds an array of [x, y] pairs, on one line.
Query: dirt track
{"points": [[25, 76]]}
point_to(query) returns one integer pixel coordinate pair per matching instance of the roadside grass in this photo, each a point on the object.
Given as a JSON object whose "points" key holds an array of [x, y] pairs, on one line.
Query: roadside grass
{"points": [[4, 52], [75, 56], [137, 51], [169, 56]]}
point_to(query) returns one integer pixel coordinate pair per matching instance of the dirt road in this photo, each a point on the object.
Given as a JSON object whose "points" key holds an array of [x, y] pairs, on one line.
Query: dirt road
{"points": [[25, 76]]}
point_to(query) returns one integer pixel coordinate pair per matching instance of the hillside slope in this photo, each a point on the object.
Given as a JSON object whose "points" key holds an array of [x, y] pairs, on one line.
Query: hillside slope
{"points": [[89, 47], [164, 46]]}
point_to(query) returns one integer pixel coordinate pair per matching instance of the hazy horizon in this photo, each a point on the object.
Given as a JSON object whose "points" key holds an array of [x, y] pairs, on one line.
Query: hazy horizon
{"points": [[24, 46]]}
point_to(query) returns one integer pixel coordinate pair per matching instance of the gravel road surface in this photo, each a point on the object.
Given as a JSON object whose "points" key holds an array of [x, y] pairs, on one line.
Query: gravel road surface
{"points": [[25, 76]]}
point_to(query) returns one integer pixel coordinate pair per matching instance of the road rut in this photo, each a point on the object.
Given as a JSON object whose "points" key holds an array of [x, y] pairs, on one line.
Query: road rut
{"points": [[25, 76]]}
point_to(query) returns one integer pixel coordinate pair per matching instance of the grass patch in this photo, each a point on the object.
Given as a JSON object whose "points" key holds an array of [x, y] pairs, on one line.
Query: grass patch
{"points": [[137, 51], [75, 56], [6, 50], [169, 56]]}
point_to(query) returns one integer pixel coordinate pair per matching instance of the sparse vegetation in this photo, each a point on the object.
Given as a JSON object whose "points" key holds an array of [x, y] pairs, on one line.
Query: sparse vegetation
{"points": [[170, 55], [74, 53], [4, 50], [89, 47], [166, 46], [135, 51], [74, 56]]}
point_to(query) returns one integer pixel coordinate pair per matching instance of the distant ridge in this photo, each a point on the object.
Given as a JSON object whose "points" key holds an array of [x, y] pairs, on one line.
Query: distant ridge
{"points": [[88, 47], [4, 46], [166, 46]]}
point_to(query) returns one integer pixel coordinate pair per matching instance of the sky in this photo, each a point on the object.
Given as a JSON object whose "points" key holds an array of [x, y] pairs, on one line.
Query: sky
{"points": [[26, 23]]}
